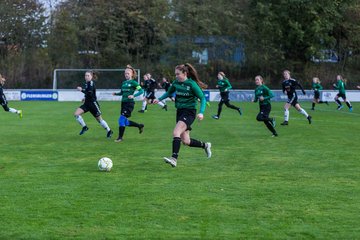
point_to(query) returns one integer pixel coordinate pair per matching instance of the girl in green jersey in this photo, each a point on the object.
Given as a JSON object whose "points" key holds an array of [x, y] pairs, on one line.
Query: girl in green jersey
{"points": [[224, 86], [340, 85], [316, 86], [264, 94], [188, 90], [128, 88]]}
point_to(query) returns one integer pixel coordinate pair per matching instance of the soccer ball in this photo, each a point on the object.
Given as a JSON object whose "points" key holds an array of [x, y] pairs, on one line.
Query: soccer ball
{"points": [[105, 164]]}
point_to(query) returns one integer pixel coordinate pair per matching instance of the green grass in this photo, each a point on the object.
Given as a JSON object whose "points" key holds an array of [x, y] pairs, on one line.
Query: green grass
{"points": [[303, 184]]}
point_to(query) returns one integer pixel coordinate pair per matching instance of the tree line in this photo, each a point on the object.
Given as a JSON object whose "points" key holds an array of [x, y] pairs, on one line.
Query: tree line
{"points": [[156, 35]]}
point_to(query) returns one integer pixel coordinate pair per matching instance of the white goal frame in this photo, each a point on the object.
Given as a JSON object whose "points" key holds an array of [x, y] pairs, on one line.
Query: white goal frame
{"points": [[55, 80]]}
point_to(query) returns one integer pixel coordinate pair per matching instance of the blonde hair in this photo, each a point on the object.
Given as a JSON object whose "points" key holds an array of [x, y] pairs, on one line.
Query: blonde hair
{"points": [[2, 79], [222, 74], [316, 80], [287, 71], [133, 71], [261, 78]]}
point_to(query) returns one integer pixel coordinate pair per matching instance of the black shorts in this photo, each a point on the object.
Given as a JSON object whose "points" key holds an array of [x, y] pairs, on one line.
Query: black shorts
{"points": [[316, 94], [342, 95], [150, 95], [92, 107], [293, 100], [187, 116], [224, 97], [265, 110], [127, 108], [3, 103]]}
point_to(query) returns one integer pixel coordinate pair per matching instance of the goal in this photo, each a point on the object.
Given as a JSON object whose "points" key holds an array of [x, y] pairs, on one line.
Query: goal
{"points": [[106, 78]]}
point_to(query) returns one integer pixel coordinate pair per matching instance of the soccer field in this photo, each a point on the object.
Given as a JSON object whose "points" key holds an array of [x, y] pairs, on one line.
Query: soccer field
{"points": [[304, 184]]}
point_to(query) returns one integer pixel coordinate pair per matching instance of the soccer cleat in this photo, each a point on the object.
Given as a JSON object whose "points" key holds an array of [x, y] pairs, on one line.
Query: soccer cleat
{"points": [[141, 128], [118, 140], [165, 107], [109, 133], [170, 160], [327, 103], [350, 109], [83, 130], [273, 122], [275, 134], [340, 107], [240, 112], [313, 109], [141, 111], [20, 114], [215, 117], [284, 123], [208, 149], [309, 119]]}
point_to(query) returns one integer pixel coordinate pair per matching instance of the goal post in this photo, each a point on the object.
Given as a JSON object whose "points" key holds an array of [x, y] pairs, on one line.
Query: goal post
{"points": [[70, 78]]}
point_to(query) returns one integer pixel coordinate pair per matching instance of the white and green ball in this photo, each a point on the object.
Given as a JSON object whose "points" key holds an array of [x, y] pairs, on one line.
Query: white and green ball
{"points": [[105, 164]]}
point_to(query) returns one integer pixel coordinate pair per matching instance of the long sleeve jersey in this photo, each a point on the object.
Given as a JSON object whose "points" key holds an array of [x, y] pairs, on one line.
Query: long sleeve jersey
{"points": [[289, 87], [224, 85], [187, 95], [340, 85], [265, 92]]}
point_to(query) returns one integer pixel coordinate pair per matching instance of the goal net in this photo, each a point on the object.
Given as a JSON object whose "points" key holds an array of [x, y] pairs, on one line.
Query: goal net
{"points": [[106, 78]]}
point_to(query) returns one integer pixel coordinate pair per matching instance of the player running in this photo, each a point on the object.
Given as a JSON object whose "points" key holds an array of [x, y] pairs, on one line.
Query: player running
{"points": [[150, 86], [128, 88], [289, 87], [188, 90], [90, 105], [264, 94], [316, 86], [224, 86], [340, 85], [165, 84], [4, 102]]}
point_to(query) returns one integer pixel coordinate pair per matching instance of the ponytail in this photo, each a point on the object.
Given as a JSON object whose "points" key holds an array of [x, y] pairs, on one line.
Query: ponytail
{"points": [[191, 73]]}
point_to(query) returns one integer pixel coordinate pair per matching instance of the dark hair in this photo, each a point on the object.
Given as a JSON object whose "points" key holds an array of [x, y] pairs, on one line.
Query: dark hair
{"points": [[191, 73], [93, 74], [133, 70]]}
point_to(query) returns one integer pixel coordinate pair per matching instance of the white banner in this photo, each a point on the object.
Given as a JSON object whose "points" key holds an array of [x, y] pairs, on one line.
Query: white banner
{"points": [[235, 95]]}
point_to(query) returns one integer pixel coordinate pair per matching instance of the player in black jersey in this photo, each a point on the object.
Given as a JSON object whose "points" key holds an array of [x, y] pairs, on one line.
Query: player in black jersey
{"points": [[90, 105], [150, 86], [3, 100], [165, 84], [289, 87]]}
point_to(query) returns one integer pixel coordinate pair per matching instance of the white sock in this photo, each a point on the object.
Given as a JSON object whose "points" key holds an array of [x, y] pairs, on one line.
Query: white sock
{"points": [[13, 110], [303, 112], [104, 125], [286, 115], [144, 103], [80, 120], [161, 104]]}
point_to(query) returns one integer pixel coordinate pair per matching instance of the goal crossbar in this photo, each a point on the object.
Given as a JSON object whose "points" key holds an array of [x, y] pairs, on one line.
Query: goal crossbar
{"points": [[55, 80]]}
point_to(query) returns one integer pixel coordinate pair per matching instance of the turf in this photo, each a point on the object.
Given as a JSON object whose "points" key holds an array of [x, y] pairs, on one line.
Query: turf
{"points": [[304, 184]]}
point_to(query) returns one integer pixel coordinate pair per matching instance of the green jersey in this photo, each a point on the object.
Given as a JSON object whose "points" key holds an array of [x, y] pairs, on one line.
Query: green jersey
{"points": [[224, 85], [265, 92], [128, 88], [187, 95], [340, 85], [316, 87]]}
